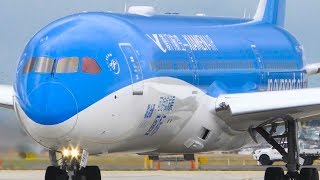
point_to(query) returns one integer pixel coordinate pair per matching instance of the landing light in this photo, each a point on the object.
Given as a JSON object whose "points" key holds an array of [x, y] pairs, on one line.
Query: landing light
{"points": [[70, 153], [66, 152], [74, 153]]}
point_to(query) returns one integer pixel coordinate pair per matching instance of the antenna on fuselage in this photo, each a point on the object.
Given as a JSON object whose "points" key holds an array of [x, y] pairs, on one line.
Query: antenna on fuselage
{"points": [[245, 13], [125, 7]]}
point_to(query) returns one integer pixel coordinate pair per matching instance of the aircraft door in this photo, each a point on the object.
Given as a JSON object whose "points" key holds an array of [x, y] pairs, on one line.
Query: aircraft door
{"points": [[134, 67], [260, 64]]}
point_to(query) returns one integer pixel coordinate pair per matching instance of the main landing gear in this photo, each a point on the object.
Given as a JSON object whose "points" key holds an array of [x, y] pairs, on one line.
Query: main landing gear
{"points": [[72, 166], [291, 157]]}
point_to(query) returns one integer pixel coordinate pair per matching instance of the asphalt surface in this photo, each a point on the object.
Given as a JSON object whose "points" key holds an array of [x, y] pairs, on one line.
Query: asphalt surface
{"points": [[148, 175]]}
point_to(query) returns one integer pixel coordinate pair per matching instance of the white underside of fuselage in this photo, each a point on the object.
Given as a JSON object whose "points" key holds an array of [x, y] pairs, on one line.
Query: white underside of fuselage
{"points": [[167, 118]]}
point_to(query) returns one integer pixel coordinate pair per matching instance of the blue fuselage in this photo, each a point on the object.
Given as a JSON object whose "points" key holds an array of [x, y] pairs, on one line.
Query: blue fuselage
{"points": [[218, 55]]}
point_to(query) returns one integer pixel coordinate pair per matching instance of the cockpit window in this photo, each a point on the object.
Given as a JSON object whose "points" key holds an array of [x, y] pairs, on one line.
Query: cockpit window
{"points": [[90, 66], [63, 65], [67, 65], [44, 65], [29, 66]]}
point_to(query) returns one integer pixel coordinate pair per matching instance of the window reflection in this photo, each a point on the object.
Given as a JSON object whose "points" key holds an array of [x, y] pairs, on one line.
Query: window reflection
{"points": [[90, 66], [67, 65], [63, 65], [29, 66], [44, 65]]}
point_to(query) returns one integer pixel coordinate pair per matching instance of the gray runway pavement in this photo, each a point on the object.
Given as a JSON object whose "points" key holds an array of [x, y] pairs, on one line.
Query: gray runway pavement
{"points": [[147, 175]]}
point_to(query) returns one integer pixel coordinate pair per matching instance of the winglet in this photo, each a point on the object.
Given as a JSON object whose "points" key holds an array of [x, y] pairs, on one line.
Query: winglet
{"points": [[271, 11]]}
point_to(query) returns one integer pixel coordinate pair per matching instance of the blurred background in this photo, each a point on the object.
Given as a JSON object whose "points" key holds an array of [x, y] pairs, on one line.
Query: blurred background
{"points": [[20, 20]]}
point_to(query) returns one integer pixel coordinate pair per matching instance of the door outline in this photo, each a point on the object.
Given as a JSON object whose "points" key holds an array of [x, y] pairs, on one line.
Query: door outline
{"points": [[260, 63], [193, 63], [134, 66]]}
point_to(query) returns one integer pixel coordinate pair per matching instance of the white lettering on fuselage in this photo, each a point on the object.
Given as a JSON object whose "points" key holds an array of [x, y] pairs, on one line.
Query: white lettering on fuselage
{"points": [[172, 42], [200, 42], [155, 39], [286, 84]]}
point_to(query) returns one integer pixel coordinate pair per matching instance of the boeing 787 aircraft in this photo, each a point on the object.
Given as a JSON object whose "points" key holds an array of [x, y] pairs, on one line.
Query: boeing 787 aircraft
{"points": [[95, 83]]}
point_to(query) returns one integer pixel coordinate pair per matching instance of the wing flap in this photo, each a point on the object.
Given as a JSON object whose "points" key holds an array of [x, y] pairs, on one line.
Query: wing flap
{"points": [[6, 96], [242, 111]]}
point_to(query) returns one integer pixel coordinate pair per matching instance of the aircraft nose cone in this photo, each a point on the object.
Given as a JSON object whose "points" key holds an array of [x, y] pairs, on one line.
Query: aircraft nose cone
{"points": [[51, 104]]}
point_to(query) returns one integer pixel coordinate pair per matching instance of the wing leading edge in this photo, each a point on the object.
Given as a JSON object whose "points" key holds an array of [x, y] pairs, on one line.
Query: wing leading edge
{"points": [[243, 111], [6, 96]]}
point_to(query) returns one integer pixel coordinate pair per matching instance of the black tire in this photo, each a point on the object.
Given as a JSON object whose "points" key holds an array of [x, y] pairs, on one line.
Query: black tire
{"points": [[265, 160], [274, 173], [54, 173], [309, 174], [51, 173], [308, 161], [92, 173]]}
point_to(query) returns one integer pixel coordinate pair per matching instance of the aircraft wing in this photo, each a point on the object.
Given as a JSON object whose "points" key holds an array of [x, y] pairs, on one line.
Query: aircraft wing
{"points": [[6, 96], [312, 69], [243, 111]]}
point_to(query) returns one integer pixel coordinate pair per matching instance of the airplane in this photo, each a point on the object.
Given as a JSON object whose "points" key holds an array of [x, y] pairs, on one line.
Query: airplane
{"points": [[95, 83]]}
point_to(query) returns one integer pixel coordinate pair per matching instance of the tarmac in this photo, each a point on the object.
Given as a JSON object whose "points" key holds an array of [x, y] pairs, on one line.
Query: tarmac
{"points": [[147, 175]]}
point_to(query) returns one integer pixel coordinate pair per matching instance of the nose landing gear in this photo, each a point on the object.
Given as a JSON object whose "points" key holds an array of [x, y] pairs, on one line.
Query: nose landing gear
{"points": [[291, 157], [72, 166]]}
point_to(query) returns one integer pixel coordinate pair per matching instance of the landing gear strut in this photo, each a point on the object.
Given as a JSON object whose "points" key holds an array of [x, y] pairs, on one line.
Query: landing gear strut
{"points": [[72, 166], [291, 157], [293, 165]]}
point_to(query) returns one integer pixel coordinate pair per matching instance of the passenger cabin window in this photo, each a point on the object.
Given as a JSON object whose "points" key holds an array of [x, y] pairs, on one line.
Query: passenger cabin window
{"points": [[29, 66], [67, 65], [44, 65], [90, 66]]}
